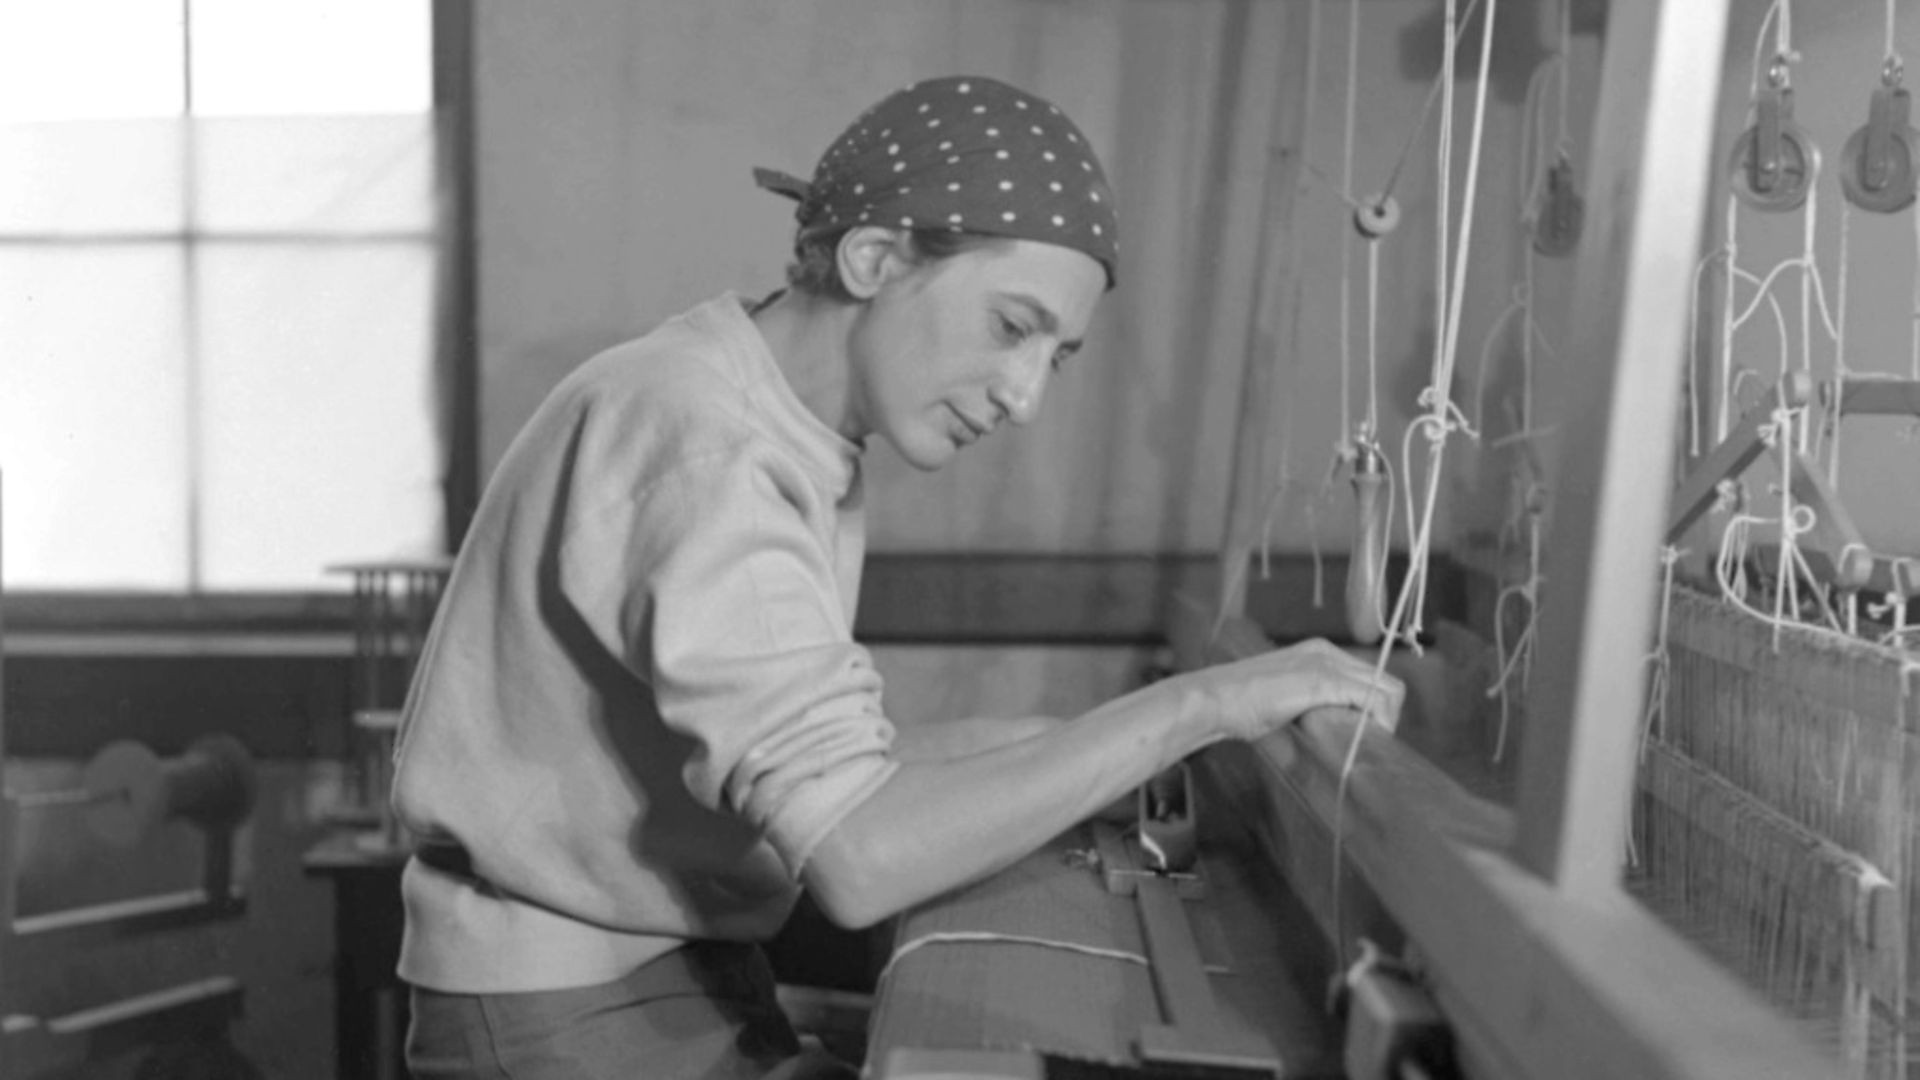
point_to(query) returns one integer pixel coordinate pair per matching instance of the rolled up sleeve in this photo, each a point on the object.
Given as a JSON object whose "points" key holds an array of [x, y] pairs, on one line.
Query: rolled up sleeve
{"points": [[716, 586]]}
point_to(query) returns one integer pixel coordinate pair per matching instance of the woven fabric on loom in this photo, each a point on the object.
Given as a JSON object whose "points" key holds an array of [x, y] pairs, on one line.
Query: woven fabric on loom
{"points": [[1775, 821]]}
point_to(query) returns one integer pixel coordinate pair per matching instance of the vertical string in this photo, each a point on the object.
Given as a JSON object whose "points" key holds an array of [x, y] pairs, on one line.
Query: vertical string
{"points": [[1566, 61], [1914, 333], [1722, 419], [1832, 425], [1807, 270], [1373, 336], [1346, 235]]}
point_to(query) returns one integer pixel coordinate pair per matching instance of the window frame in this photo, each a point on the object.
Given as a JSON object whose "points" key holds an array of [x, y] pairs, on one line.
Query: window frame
{"points": [[145, 620]]}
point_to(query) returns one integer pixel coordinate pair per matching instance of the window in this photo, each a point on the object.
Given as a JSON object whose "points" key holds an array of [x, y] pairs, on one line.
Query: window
{"points": [[218, 290]]}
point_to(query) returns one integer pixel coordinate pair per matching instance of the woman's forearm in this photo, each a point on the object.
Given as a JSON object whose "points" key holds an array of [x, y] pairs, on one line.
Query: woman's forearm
{"points": [[937, 824], [945, 740]]}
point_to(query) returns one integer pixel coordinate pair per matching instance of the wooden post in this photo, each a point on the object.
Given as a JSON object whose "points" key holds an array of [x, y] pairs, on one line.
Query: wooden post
{"points": [[1653, 132], [1276, 310]]}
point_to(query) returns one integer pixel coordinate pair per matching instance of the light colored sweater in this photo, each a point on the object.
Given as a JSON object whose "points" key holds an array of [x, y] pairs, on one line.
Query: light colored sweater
{"points": [[640, 706]]}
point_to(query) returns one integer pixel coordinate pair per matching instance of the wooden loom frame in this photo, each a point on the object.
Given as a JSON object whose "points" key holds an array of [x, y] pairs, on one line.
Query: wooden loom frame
{"points": [[1540, 961]]}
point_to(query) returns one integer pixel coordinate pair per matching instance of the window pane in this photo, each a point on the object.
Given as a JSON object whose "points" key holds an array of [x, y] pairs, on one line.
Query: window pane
{"points": [[343, 56], [315, 174], [91, 58], [92, 426], [319, 410], [91, 176]]}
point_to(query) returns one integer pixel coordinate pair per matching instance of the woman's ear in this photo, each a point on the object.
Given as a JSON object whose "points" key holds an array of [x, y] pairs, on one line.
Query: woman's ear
{"points": [[869, 256]]}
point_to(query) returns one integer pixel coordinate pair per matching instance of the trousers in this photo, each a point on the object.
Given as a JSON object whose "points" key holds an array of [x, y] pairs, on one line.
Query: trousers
{"points": [[706, 1010]]}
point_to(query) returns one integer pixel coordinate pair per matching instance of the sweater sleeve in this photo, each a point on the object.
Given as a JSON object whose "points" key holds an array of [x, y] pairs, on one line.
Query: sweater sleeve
{"points": [[715, 588]]}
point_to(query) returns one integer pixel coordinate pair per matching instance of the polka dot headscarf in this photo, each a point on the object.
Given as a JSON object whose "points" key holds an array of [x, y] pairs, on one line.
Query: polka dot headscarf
{"points": [[964, 153]]}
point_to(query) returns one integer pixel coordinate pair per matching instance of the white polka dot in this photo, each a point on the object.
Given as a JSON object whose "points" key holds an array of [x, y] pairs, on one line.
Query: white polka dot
{"points": [[924, 106], [1019, 103], [893, 148], [1006, 185], [965, 88], [904, 189], [1008, 216], [955, 218], [1048, 154], [1053, 108], [1058, 221], [954, 160], [898, 165], [1085, 166], [946, 146], [1001, 154], [934, 123], [1071, 137], [884, 132], [1055, 185], [993, 133], [953, 185], [1096, 230], [979, 108], [1094, 195], [908, 222], [1036, 129], [859, 189], [863, 215]]}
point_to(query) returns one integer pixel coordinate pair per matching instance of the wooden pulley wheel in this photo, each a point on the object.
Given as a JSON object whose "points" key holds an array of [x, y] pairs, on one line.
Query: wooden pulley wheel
{"points": [[126, 792], [1895, 193], [1877, 162], [212, 784], [131, 790], [1377, 217], [1776, 181]]}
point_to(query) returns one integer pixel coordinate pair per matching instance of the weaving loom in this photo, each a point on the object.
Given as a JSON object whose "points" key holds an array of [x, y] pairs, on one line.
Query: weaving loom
{"points": [[1774, 822], [1617, 868]]}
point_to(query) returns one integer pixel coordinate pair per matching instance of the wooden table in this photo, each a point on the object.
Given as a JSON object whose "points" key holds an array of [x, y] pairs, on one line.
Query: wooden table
{"points": [[1266, 964]]}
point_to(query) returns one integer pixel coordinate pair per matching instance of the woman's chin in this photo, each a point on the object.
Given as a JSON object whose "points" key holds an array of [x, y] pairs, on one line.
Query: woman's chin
{"points": [[929, 454]]}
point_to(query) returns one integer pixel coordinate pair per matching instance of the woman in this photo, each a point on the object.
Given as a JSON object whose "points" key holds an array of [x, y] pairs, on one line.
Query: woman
{"points": [[641, 724]]}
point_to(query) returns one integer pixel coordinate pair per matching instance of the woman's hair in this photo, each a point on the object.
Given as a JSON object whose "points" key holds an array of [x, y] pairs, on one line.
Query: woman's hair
{"points": [[815, 269]]}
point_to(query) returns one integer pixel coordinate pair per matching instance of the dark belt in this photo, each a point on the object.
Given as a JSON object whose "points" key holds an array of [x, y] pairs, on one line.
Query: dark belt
{"points": [[446, 858]]}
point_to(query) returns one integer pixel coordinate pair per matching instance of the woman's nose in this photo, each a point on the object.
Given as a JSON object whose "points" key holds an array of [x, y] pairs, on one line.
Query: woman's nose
{"points": [[1022, 386]]}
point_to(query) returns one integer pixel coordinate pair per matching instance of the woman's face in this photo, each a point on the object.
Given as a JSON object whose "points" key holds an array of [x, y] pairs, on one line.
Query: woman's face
{"points": [[950, 349]]}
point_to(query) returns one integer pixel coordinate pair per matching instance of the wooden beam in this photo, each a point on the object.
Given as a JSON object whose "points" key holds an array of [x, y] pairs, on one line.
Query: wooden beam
{"points": [[1275, 313], [1866, 395], [1660, 82]]}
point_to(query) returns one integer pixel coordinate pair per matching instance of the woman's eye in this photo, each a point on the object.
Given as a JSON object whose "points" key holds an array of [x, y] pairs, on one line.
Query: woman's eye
{"points": [[1009, 331]]}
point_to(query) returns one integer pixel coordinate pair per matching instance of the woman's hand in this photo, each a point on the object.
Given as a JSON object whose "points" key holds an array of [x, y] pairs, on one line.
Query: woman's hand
{"points": [[1250, 698]]}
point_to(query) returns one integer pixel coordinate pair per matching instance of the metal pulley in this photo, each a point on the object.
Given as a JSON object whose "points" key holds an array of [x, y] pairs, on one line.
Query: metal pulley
{"points": [[1772, 165], [1557, 220], [1877, 164]]}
